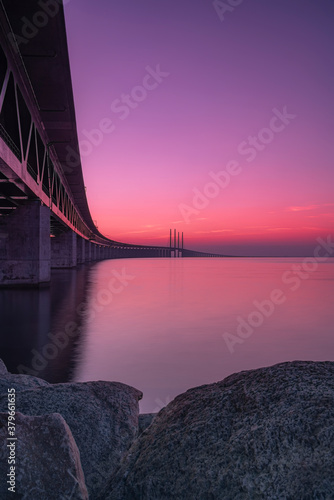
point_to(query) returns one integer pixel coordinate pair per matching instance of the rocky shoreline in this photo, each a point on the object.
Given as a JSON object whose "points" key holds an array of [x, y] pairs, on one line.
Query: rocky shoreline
{"points": [[258, 434]]}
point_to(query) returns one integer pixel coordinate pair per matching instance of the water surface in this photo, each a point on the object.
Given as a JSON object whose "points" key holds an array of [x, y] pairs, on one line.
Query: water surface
{"points": [[161, 324]]}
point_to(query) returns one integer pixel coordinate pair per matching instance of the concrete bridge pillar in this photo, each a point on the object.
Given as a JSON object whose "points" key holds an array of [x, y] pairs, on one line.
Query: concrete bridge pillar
{"points": [[64, 250], [93, 251], [25, 246], [81, 250], [88, 251]]}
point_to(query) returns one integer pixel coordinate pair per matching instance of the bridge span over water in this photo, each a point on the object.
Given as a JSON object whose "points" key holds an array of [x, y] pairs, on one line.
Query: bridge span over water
{"points": [[44, 215]]}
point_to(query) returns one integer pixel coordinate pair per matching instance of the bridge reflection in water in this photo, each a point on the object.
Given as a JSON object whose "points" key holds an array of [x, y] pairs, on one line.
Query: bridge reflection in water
{"points": [[42, 330]]}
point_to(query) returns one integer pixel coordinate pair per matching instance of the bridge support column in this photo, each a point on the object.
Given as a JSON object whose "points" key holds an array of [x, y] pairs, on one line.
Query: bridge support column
{"points": [[81, 250], [93, 251], [64, 250], [25, 246], [88, 251]]}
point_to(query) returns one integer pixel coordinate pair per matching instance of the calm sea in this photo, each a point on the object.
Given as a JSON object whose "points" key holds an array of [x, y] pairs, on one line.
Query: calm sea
{"points": [[166, 325]]}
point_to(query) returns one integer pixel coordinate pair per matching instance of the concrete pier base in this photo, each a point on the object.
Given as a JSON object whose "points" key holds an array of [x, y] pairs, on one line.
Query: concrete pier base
{"points": [[25, 246], [64, 250], [88, 251], [81, 250], [93, 251]]}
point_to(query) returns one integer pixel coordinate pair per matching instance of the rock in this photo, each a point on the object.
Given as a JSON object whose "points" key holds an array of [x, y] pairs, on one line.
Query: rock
{"points": [[259, 434], [145, 419], [20, 382], [3, 368], [17, 381], [47, 460], [103, 418]]}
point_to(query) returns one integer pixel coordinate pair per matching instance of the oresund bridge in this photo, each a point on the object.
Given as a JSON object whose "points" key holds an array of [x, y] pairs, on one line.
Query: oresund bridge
{"points": [[45, 220]]}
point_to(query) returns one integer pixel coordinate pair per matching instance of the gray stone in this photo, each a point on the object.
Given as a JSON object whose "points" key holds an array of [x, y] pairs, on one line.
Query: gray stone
{"points": [[3, 368], [47, 460], [259, 434], [103, 418], [145, 419], [19, 382]]}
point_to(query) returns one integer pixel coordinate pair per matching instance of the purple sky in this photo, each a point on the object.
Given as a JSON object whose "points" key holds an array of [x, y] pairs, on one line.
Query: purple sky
{"points": [[221, 81]]}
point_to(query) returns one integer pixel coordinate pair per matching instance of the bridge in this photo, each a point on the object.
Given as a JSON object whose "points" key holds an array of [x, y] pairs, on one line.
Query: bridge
{"points": [[45, 220]]}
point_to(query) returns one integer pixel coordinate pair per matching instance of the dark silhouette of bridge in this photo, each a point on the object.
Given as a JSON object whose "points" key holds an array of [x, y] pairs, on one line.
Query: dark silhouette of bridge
{"points": [[42, 190]]}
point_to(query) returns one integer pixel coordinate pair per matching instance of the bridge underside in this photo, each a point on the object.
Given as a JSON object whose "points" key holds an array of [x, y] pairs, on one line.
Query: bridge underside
{"points": [[45, 220]]}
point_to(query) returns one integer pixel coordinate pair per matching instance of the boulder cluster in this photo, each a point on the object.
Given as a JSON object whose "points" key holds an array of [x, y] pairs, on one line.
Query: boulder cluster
{"points": [[260, 434]]}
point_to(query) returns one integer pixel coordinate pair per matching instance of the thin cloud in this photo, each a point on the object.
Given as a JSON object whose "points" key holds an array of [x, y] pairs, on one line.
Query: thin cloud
{"points": [[135, 232], [301, 209], [215, 231], [308, 207], [147, 230], [319, 216]]}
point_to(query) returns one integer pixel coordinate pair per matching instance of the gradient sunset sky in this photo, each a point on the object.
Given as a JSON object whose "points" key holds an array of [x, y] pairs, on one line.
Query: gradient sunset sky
{"points": [[227, 76]]}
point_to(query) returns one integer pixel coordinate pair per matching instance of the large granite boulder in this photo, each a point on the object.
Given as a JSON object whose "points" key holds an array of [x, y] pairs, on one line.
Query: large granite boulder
{"points": [[102, 416], [145, 419], [3, 369], [17, 381], [20, 382], [43, 463], [259, 434]]}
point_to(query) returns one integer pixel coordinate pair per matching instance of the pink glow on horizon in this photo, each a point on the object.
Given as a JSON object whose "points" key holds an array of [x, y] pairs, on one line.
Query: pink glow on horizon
{"points": [[224, 81]]}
